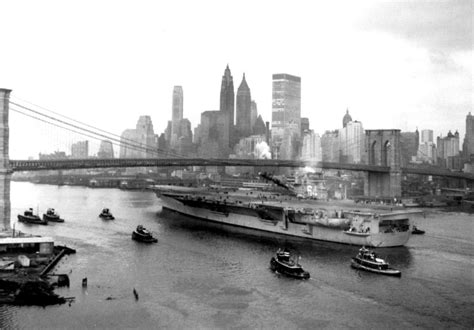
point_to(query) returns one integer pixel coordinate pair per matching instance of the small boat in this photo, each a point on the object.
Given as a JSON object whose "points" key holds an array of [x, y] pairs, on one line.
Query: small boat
{"points": [[416, 231], [52, 215], [29, 217], [141, 234], [106, 215], [369, 261], [356, 233], [284, 264]]}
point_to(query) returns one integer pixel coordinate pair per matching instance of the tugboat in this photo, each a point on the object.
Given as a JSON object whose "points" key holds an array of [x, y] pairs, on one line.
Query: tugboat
{"points": [[416, 231], [284, 264], [29, 217], [106, 215], [141, 234], [369, 261], [51, 215]]}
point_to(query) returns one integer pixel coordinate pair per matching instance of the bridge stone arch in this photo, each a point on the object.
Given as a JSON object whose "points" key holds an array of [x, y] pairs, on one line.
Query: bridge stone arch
{"points": [[386, 153], [372, 152], [383, 149]]}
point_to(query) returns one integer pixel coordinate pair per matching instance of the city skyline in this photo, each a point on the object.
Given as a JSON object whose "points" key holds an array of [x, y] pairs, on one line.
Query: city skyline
{"points": [[400, 71]]}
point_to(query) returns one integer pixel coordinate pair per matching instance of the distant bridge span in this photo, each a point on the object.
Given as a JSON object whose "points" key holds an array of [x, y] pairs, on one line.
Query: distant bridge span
{"points": [[436, 171], [69, 164]]}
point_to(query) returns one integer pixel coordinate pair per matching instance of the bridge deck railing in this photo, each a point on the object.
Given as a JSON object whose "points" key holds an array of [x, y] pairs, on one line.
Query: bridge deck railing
{"points": [[69, 164], [37, 165]]}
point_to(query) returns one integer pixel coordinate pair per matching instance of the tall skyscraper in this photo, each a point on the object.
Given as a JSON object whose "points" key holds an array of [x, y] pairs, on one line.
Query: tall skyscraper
{"points": [[304, 125], [290, 144], [227, 101], [426, 135], [427, 149], [448, 147], [259, 128], [80, 149], [213, 136], [311, 147], [330, 149], [177, 114], [106, 149], [286, 109], [142, 136], [346, 119], [468, 143], [244, 108], [409, 146], [253, 113], [352, 142], [185, 129]]}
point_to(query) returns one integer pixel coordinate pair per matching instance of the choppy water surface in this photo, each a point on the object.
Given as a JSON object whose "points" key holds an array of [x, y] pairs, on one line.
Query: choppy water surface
{"points": [[201, 276]]}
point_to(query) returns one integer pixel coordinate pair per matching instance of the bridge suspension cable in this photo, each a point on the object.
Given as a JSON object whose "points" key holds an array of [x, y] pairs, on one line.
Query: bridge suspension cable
{"points": [[96, 135], [90, 126], [69, 129]]}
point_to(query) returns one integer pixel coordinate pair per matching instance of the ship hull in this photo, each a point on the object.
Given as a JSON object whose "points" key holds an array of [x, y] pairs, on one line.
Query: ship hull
{"points": [[52, 218], [32, 219], [143, 238], [247, 217], [390, 271], [288, 271]]}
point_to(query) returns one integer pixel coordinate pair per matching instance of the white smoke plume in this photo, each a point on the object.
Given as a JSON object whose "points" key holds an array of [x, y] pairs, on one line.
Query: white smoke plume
{"points": [[308, 169], [262, 151]]}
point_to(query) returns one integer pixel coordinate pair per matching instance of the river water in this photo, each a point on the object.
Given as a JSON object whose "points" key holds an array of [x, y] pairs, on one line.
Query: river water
{"points": [[205, 276]]}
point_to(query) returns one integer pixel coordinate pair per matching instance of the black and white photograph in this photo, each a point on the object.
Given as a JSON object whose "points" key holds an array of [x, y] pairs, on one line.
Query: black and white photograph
{"points": [[237, 164]]}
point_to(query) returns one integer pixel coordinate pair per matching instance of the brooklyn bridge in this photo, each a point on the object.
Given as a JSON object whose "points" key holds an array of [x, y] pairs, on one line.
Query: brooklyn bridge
{"points": [[383, 169]]}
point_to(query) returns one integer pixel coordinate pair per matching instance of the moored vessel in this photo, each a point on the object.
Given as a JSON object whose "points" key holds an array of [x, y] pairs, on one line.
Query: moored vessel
{"points": [[141, 234], [52, 215], [284, 264], [29, 217], [367, 260], [106, 214], [290, 216]]}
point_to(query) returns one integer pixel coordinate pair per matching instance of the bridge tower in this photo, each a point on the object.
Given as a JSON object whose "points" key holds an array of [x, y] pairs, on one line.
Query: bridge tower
{"points": [[383, 149], [5, 171]]}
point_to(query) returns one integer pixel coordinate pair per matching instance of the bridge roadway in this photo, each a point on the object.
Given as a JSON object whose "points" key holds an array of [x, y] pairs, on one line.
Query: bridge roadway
{"points": [[66, 164], [436, 171], [69, 164]]}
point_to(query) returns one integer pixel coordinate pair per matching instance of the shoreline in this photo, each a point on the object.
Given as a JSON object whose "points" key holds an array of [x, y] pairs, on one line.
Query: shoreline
{"points": [[31, 285]]}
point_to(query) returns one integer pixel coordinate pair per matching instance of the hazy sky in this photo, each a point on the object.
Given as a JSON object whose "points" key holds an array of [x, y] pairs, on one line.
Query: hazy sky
{"points": [[394, 64]]}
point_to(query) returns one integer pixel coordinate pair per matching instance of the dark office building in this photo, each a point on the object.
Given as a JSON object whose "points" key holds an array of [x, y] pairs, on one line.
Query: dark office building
{"points": [[177, 114], [468, 144], [304, 125], [244, 107], [227, 101], [409, 142]]}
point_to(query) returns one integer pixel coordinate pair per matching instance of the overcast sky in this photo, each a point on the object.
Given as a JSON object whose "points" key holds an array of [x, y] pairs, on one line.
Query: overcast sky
{"points": [[394, 64]]}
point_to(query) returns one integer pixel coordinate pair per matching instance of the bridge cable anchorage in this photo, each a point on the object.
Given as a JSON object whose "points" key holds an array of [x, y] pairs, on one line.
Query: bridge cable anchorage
{"points": [[90, 126], [133, 145]]}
